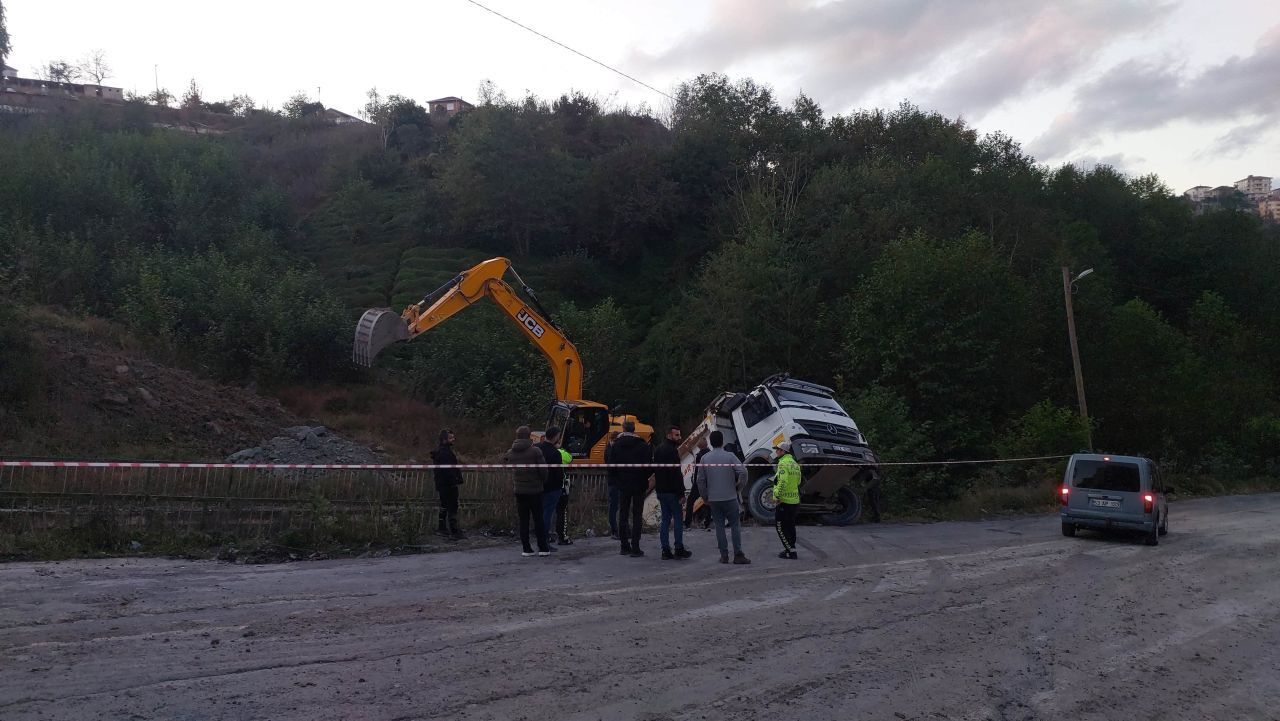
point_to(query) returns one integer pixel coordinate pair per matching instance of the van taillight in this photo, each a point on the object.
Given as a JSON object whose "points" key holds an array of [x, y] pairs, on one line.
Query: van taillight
{"points": [[1148, 502], [1065, 492]]}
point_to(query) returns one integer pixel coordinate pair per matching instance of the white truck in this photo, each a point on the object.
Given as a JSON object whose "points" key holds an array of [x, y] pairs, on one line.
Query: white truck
{"points": [[821, 434]]}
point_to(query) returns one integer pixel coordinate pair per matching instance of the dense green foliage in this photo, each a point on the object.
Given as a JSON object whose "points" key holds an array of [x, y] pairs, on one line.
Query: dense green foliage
{"points": [[899, 256]]}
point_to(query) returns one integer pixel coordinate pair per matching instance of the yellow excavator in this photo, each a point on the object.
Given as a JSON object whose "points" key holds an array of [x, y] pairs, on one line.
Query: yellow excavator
{"points": [[586, 423]]}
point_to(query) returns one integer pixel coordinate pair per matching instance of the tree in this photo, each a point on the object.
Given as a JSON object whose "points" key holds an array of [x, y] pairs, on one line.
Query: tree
{"points": [[94, 66], [300, 106], [191, 99], [6, 46], [58, 71], [160, 97]]}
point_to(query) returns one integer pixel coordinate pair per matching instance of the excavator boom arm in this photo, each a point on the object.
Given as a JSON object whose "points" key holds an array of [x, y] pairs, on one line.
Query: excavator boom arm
{"points": [[483, 281]]}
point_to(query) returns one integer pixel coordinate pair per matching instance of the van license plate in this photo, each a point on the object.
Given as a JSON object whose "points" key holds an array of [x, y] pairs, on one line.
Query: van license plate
{"points": [[842, 449], [1103, 503]]}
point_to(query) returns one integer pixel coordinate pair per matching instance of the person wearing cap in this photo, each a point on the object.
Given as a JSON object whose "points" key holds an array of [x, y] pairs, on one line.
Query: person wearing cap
{"points": [[786, 489], [553, 485], [562, 505]]}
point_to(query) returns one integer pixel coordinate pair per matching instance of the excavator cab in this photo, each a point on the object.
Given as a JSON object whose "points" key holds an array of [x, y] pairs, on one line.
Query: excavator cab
{"points": [[584, 426]]}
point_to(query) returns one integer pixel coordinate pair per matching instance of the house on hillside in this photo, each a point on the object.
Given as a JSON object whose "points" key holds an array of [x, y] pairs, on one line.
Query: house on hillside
{"points": [[11, 83], [1255, 187], [450, 106], [8, 72], [1199, 193], [337, 117], [1269, 209]]}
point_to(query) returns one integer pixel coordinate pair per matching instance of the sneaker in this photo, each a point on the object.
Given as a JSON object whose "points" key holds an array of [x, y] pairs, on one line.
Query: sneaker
{"points": [[740, 559], [724, 557], [682, 553], [526, 554], [565, 542], [626, 549], [788, 554], [614, 535], [667, 555], [544, 553], [636, 553]]}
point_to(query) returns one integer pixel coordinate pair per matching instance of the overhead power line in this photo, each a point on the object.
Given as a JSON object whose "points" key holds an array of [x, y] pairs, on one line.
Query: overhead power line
{"points": [[575, 52]]}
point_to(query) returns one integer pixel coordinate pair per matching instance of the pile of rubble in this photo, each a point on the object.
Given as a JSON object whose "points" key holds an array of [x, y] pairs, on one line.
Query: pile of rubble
{"points": [[309, 444]]}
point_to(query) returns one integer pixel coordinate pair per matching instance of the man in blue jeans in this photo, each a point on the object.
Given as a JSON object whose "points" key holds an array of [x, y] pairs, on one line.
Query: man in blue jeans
{"points": [[720, 479], [553, 485], [669, 487], [615, 493]]}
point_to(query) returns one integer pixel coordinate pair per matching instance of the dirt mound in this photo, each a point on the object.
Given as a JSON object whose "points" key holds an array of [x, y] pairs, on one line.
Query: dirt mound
{"points": [[308, 444], [103, 400]]}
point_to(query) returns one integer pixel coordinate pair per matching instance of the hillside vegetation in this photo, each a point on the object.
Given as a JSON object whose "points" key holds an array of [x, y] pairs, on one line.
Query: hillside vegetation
{"points": [[896, 255]]}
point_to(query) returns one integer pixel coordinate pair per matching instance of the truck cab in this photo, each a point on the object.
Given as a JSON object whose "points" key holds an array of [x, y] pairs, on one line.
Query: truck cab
{"points": [[821, 433]]}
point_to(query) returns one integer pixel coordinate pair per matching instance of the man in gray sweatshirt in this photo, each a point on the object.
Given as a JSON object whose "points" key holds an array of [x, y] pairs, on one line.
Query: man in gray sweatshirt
{"points": [[720, 479]]}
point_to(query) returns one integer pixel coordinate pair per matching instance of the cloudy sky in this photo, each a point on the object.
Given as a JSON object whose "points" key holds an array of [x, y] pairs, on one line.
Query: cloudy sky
{"points": [[1187, 90]]}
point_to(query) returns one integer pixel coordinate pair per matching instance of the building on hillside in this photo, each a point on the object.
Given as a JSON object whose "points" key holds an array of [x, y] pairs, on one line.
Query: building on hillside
{"points": [[1269, 209], [1255, 187], [8, 72], [33, 86], [450, 106], [1199, 193], [337, 117]]}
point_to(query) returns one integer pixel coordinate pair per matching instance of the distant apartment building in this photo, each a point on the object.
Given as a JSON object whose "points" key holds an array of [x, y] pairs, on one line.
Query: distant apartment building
{"points": [[1198, 194], [1269, 209], [1255, 187], [450, 106]]}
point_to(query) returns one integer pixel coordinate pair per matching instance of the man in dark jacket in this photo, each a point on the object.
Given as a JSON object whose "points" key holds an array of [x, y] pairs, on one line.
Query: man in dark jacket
{"points": [[615, 495], [527, 484], [633, 485], [668, 484], [553, 486], [703, 513], [447, 482]]}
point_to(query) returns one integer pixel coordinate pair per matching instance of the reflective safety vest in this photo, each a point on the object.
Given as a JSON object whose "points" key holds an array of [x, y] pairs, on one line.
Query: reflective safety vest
{"points": [[786, 484], [566, 458]]}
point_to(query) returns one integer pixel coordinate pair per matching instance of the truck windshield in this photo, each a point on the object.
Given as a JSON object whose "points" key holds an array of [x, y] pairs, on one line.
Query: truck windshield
{"points": [[1104, 476], [790, 397]]}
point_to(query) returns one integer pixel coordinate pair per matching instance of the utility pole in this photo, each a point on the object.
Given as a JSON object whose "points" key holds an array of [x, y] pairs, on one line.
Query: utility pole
{"points": [[156, 69], [1075, 354]]}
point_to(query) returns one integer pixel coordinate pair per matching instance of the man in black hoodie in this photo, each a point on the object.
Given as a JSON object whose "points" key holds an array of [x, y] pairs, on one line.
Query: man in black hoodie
{"points": [[633, 484], [447, 482], [553, 486], [668, 484]]}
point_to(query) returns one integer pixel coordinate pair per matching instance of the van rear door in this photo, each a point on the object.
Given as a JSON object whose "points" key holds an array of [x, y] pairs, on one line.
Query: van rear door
{"points": [[1106, 489]]}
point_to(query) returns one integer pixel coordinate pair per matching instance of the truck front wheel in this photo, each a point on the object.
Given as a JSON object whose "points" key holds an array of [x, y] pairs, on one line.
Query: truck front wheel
{"points": [[760, 501], [848, 508]]}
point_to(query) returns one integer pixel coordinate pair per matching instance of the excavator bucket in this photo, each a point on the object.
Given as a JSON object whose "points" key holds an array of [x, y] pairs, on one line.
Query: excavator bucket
{"points": [[377, 329]]}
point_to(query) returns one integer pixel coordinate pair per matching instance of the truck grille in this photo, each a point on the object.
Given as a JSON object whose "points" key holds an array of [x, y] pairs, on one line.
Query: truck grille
{"points": [[832, 432]]}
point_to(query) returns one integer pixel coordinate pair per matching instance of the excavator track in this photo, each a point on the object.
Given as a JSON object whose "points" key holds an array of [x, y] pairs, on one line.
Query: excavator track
{"points": [[377, 329]]}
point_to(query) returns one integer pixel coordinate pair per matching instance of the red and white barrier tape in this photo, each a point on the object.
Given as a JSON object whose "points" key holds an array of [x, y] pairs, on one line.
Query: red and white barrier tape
{"points": [[462, 466]]}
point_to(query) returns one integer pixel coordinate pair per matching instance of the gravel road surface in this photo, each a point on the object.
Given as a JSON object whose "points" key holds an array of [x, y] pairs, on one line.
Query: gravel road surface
{"points": [[993, 620]]}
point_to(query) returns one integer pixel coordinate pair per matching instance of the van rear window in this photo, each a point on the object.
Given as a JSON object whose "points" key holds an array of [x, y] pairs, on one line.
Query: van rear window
{"points": [[1103, 476]]}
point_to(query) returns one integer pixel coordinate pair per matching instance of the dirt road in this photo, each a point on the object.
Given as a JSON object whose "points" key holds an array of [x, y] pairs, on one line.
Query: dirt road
{"points": [[993, 620]]}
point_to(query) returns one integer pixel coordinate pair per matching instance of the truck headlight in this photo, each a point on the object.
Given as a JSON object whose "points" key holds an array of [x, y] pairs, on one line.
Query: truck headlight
{"points": [[809, 448]]}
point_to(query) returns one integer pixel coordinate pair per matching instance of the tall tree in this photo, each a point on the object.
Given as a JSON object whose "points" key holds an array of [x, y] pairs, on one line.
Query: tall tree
{"points": [[94, 66], [5, 46], [59, 71]]}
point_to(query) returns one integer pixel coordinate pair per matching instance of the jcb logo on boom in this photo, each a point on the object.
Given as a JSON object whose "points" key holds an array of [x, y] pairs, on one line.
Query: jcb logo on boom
{"points": [[524, 317]]}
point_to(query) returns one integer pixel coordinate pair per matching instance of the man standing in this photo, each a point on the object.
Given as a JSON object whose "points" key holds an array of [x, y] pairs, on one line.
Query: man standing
{"points": [[786, 489], [562, 506], [633, 485], [720, 481], [447, 482], [615, 495], [669, 485], [704, 512], [873, 496], [527, 484], [553, 485]]}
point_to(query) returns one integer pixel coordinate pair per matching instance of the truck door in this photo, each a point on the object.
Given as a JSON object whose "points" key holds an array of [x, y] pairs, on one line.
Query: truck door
{"points": [[755, 420]]}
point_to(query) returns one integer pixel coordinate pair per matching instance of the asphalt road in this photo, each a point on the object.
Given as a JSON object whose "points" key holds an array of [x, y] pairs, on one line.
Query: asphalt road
{"points": [[993, 620]]}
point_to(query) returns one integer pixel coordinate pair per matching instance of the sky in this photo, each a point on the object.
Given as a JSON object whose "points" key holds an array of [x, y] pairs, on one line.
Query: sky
{"points": [[1187, 90]]}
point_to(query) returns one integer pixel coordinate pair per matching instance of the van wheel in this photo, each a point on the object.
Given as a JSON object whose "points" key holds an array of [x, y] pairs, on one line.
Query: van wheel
{"points": [[850, 509], [1153, 536], [1069, 530], [760, 501], [1164, 525]]}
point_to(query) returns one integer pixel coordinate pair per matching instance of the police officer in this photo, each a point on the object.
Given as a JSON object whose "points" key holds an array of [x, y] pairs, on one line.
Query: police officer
{"points": [[786, 489]]}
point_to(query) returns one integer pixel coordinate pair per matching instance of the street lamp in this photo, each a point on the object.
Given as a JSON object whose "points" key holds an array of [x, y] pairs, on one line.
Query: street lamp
{"points": [[1068, 287]]}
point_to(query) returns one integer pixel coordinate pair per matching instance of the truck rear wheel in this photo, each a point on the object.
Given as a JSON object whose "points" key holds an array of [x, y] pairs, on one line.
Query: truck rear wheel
{"points": [[849, 508], [760, 501]]}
